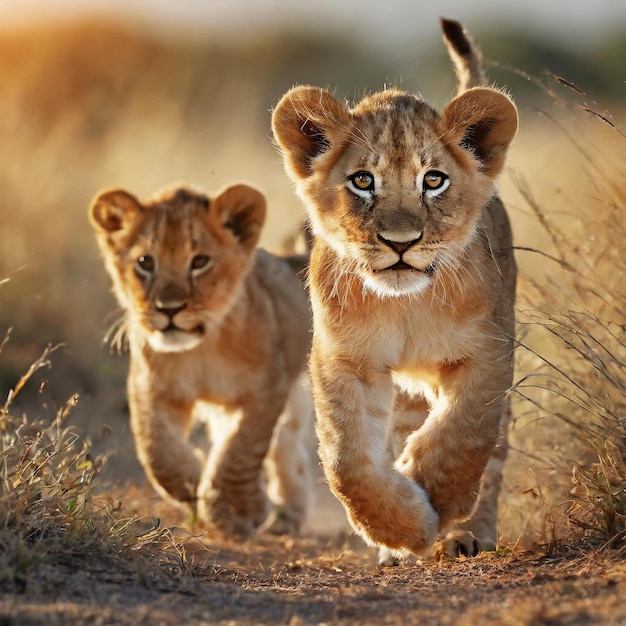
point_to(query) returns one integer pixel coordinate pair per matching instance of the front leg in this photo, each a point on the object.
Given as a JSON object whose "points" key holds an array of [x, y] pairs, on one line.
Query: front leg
{"points": [[230, 494], [449, 453], [483, 523], [160, 427], [353, 401]]}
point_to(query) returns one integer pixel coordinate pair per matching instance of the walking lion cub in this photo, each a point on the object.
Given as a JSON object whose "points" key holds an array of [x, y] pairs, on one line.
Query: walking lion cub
{"points": [[412, 282], [219, 328]]}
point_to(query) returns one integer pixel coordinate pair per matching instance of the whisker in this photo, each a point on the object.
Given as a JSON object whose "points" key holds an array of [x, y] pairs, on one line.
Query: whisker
{"points": [[117, 335]]}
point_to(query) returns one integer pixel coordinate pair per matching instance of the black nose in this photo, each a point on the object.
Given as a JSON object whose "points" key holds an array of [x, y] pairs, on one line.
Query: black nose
{"points": [[399, 246], [170, 308]]}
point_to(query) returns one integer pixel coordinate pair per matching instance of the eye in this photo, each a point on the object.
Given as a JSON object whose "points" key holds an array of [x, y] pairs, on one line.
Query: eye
{"points": [[200, 263], [362, 183], [145, 265], [435, 183]]}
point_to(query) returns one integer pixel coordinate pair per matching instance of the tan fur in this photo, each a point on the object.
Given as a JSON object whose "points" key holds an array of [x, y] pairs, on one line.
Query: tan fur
{"points": [[412, 291], [218, 328]]}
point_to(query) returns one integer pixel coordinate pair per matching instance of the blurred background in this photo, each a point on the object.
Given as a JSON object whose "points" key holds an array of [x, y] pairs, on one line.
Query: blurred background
{"points": [[141, 94]]}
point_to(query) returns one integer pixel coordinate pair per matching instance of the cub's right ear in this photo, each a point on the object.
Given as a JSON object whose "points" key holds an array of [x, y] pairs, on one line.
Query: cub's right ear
{"points": [[306, 122], [241, 210], [113, 210]]}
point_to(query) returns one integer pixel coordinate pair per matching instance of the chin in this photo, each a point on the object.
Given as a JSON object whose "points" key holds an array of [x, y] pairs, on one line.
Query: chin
{"points": [[174, 340], [395, 283]]}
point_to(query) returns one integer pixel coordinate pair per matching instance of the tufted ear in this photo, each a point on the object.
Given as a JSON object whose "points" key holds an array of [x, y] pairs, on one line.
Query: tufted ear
{"points": [[241, 209], [113, 210], [306, 122], [484, 121]]}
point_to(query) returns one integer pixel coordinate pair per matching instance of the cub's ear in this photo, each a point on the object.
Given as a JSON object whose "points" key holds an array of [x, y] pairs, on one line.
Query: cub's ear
{"points": [[484, 121], [241, 209], [113, 210], [306, 122]]}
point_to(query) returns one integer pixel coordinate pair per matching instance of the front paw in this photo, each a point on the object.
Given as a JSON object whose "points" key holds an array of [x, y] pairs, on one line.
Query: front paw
{"points": [[387, 558], [457, 543], [282, 521], [230, 513]]}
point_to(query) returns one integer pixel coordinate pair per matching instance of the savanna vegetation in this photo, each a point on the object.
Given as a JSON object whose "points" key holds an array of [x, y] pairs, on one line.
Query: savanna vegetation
{"points": [[90, 105]]}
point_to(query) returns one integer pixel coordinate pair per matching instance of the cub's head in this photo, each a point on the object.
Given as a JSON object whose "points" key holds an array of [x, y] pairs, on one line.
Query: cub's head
{"points": [[395, 188], [178, 260]]}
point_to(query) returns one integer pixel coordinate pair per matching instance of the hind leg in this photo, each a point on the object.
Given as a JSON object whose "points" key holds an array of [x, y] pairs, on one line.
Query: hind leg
{"points": [[289, 464]]}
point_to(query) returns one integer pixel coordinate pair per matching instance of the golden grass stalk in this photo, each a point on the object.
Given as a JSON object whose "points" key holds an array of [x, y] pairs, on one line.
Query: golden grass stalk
{"points": [[49, 506], [573, 325]]}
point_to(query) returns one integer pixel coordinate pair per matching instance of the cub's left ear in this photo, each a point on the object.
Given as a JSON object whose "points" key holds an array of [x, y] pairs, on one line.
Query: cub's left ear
{"points": [[307, 122], [113, 210], [484, 121], [241, 209]]}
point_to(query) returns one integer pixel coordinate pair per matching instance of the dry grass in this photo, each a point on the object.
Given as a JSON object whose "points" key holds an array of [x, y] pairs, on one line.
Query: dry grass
{"points": [[51, 511], [46, 496], [572, 356]]}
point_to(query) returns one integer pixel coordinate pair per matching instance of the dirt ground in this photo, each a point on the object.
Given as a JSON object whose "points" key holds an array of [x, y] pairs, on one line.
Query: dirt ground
{"points": [[318, 579]]}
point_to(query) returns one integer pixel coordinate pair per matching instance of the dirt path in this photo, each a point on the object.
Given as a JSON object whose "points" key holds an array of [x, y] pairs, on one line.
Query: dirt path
{"points": [[313, 581]]}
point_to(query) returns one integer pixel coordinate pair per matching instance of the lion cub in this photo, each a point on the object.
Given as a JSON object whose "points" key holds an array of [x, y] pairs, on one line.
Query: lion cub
{"points": [[219, 328], [412, 283]]}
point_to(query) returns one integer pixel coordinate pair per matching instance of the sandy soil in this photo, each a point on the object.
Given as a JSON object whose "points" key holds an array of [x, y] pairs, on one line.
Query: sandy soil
{"points": [[318, 579]]}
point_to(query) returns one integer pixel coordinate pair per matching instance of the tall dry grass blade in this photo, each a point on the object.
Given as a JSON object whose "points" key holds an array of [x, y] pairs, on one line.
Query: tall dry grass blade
{"points": [[42, 362], [573, 320]]}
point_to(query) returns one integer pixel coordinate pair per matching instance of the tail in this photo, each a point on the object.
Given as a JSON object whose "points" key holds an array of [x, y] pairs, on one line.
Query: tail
{"points": [[296, 250], [467, 59]]}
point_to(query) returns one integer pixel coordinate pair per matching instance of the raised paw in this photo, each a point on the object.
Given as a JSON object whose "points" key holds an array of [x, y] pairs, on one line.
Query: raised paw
{"points": [[457, 543]]}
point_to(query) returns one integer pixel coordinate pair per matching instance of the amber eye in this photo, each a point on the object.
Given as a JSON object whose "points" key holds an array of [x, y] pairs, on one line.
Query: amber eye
{"points": [[199, 263], [145, 265], [434, 183], [434, 179], [363, 181]]}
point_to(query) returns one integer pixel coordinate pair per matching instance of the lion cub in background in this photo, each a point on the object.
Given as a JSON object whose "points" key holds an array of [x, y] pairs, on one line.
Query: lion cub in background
{"points": [[215, 326], [412, 282]]}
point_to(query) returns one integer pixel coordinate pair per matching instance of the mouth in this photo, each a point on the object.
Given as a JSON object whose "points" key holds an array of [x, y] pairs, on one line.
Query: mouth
{"points": [[171, 328], [401, 265], [175, 339]]}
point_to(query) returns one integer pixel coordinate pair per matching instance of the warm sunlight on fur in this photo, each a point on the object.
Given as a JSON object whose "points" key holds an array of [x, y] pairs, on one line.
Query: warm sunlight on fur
{"points": [[412, 282], [218, 327]]}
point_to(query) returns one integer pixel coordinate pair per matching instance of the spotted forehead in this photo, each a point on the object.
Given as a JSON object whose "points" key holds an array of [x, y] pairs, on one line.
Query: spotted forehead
{"points": [[395, 129], [178, 222]]}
